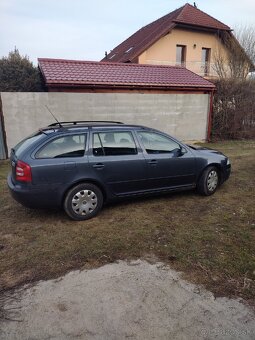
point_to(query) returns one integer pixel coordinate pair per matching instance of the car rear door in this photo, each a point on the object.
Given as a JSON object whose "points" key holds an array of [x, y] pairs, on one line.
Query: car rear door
{"points": [[118, 162]]}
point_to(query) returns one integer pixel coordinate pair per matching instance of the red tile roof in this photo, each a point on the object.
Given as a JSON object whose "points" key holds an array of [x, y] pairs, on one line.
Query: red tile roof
{"points": [[137, 43], [191, 15], [67, 73]]}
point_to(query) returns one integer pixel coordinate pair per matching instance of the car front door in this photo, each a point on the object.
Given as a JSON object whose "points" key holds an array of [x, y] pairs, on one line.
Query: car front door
{"points": [[169, 165]]}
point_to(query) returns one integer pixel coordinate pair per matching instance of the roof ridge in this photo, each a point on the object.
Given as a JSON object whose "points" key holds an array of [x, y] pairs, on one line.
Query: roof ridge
{"points": [[163, 19], [66, 60], [164, 16], [115, 50], [193, 7], [71, 61], [142, 39]]}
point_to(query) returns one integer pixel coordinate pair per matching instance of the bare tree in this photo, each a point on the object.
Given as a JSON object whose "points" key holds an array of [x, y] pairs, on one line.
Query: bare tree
{"points": [[234, 106], [235, 59], [234, 109], [246, 37]]}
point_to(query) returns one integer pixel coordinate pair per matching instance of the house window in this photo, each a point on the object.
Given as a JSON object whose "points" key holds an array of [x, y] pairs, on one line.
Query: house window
{"points": [[180, 55], [206, 52]]}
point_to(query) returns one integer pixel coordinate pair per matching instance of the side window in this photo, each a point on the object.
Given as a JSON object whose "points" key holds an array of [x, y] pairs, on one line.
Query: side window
{"points": [[157, 143], [67, 146], [113, 144]]}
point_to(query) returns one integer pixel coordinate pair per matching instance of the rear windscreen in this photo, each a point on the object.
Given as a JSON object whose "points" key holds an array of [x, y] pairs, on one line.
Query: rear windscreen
{"points": [[25, 143]]}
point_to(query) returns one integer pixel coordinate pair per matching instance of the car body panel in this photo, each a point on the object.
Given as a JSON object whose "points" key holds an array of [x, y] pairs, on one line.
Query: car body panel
{"points": [[115, 175], [168, 170], [121, 174]]}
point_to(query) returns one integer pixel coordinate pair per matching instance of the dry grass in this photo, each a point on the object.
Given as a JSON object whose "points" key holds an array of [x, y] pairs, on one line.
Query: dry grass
{"points": [[211, 239]]}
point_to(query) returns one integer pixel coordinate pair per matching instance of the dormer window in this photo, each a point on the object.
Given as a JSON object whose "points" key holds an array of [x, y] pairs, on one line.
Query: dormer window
{"points": [[130, 49]]}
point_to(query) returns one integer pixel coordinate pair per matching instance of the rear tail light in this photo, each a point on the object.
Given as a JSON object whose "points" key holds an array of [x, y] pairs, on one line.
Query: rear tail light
{"points": [[23, 172]]}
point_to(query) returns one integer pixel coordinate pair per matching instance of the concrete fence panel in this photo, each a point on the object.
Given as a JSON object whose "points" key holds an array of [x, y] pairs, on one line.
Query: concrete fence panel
{"points": [[182, 115]]}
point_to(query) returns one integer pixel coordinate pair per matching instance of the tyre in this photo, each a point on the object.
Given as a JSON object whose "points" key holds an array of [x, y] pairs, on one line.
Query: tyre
{"points": [[83, 201], [209, 181]]}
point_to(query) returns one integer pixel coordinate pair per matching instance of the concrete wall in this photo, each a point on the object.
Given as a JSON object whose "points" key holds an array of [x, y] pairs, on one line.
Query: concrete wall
{"points": [[182, 115]]}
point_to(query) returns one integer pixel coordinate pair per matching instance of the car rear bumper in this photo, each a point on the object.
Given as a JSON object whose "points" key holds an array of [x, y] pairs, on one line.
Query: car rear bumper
{"points": [[33, 197]]}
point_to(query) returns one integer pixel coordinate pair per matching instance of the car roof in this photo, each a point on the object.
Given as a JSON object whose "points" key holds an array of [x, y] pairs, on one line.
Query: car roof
{"points": [[81, 125]]}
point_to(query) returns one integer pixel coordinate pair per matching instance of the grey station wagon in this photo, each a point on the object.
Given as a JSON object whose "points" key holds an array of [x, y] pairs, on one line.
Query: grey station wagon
{"points": [[81, 165]]}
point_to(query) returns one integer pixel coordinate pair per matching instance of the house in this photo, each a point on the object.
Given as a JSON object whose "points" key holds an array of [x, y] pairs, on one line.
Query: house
{"points": [[186, 36]]}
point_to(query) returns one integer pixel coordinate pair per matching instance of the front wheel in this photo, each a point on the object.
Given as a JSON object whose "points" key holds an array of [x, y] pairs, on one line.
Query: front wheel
{"points": [[209, 181], [83, 201]]}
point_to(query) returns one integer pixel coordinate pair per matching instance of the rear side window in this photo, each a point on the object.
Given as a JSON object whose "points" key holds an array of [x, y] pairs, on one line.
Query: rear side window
{"points": [[113, 144], [66, 146], [27, 142]]}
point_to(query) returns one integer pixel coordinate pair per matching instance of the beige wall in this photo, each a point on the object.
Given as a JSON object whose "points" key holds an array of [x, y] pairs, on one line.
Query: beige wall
{"points": [[164, 50], [184, 116]]}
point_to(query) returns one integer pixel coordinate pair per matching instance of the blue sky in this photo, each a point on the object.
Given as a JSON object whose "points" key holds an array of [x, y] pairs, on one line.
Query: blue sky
{"points": [[81, 29]]}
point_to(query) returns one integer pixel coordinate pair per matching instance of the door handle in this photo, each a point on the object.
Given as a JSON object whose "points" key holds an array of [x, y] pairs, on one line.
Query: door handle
{"points": [[98, 166], [153, 162]]}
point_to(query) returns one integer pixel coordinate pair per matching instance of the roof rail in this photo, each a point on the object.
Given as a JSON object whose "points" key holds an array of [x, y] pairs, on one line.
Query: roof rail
{"points": [[82, 122]]}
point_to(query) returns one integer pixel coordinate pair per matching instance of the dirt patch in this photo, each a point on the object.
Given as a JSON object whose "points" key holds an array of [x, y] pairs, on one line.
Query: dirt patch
{"points": [[133, 300]]}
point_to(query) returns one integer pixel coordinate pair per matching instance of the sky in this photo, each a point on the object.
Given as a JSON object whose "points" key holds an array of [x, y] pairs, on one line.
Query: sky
{"points": [[85, 29]]}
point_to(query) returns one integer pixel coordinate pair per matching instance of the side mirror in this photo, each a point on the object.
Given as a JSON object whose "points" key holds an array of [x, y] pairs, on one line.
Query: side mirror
{"points": [[182, 150], [178, 152]]}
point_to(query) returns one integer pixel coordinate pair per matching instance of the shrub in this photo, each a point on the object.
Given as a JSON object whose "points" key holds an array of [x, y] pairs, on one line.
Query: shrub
{"points": [[17, 74], [234, 109]]}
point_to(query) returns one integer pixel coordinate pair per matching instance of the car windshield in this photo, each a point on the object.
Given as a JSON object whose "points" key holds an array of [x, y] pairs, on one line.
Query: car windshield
{"points": [[25, 143]]}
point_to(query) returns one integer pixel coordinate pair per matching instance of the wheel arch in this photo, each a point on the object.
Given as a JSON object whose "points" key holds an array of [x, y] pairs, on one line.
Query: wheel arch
{"points": [[87, 180], [217, 166]]}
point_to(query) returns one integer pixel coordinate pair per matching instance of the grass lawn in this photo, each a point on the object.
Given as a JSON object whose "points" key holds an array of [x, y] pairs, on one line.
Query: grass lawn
{"points": [[210, 239]]}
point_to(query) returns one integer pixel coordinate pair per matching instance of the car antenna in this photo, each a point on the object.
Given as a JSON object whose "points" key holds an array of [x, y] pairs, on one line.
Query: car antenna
{"points": [[53, 115]]}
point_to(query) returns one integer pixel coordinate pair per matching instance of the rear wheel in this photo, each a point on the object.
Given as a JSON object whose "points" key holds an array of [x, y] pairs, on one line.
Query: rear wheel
{"points": [[209, 181], [83, 201]]}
